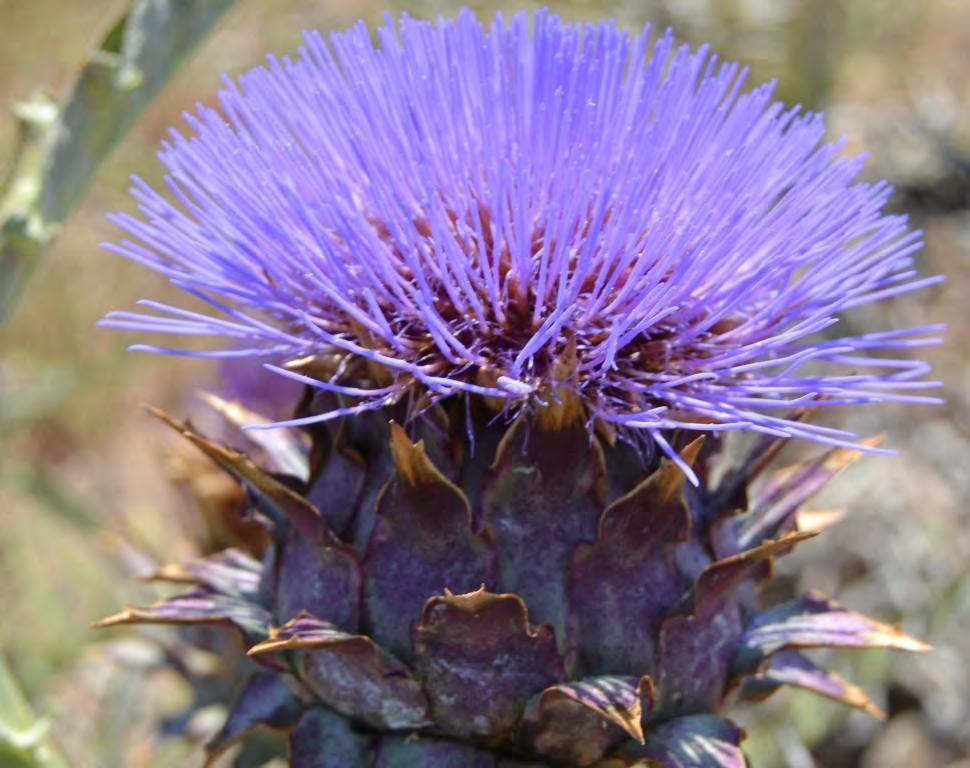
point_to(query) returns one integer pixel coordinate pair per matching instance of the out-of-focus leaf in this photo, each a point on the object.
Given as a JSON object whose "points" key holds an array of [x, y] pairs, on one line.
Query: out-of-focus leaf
{"points": [[200, 605], [31, 389], [279, 501], [794, 669], [229, 572], [813, 621], [23, 736], [774, 510], [61, 146], [39, 483], [284, 450], [264, 701]]}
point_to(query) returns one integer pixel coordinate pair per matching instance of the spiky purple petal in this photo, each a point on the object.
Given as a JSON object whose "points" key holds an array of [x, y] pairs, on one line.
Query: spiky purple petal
{"points": [[464, 206]]}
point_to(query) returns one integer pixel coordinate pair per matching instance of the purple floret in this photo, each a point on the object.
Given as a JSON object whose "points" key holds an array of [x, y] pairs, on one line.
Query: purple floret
{"points": [[528, 207]]}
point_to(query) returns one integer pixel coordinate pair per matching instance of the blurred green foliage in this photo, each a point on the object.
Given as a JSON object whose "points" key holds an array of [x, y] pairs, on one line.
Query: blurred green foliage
{"points": [[23, 736], [61, 146]]}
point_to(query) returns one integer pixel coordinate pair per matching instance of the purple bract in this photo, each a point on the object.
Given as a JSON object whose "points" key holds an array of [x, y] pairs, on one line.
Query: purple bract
{"points": [[527, 210]]}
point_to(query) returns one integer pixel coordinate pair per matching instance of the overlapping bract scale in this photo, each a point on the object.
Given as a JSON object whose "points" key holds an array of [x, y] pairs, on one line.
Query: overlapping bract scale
{"points": [[438, 644]]}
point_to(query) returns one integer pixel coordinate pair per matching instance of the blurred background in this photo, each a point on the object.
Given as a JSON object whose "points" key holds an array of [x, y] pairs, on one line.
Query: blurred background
{"points": [[86, 492]]}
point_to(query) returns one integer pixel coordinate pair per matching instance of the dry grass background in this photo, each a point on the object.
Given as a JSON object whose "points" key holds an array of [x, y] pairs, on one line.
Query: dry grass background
{"points": [[83, 472]]}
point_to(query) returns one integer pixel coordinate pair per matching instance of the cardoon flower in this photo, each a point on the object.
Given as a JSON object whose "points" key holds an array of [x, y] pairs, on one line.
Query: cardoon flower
{"points": [[517, 268]]}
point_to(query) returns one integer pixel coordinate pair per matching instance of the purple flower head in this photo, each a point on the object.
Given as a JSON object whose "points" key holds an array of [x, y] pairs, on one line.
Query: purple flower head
{"points": [[526, 209]]}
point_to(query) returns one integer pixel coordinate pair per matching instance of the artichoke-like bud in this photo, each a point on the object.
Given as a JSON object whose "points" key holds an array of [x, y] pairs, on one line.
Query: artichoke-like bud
{"points": [[530, 593], [519, 270]]}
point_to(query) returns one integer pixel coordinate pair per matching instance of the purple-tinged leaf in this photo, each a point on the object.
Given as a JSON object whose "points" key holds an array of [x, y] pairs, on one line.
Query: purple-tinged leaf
{"points": [[229, 572], [337, 487], [324, 739], [274, 497], [818, 519], [200, 605], [421, 546], [695, 741], [481, 661], [265, 700], [626, 465], [321, 576], [351, 673], [299, 633], [731, 494], [577, 723], [723, 576], [773, 512], [283, 451], [420, 752], [269, 577], [812, 621], [625, 582], [698, 640], [794, 669], [444, 446], [480, 439], [368, 434], [541, 498]]}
